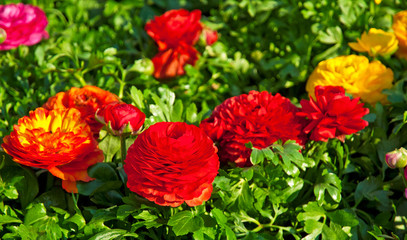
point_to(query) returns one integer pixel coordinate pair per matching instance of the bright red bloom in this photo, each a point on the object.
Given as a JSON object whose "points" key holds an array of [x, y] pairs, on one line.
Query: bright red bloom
{"points": [[118, 116], [332, 114], [257, 117], [171, 62], [171, 163], [174, 27], [87, 100], [23, 24], [57, 140]]}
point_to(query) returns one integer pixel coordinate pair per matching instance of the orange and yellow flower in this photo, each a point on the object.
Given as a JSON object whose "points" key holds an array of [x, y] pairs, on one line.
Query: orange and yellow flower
{"points": [[400, 30], [57, 140], [376, 42], [87, 100], [356, 75]]}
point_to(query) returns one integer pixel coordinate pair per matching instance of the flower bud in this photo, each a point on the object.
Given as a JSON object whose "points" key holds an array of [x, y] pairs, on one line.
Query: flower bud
{"points": [[3, 35], [121, 118], [397, 158]]}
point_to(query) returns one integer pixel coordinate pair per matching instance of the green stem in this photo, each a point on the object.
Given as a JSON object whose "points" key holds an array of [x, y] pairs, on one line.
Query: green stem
{"points": [[123, 147]]}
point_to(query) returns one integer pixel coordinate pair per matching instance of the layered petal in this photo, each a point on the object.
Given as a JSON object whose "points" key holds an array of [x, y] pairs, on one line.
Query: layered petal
{"points": [[171, 163], [58, 140], [257, 117], [23, 24]]}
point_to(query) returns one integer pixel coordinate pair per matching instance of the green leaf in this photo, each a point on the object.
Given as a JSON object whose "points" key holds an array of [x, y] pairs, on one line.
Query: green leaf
{"points": [[137, 97], [36, 213], [191, 113], [4, 219], [78, 220], [219, 216], [185, 222], [328, 182], [176, 115], [343, 218], [312, 212], [256, 157], [245, 197], [110, 146], [109, 234]]}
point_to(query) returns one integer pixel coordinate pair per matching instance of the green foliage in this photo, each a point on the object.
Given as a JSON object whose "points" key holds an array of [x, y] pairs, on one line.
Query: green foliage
{"points": [[324, 190]]}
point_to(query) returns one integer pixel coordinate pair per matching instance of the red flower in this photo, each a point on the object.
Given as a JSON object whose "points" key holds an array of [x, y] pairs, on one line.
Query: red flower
{"points": [[57, 140], [175, 32], [257, 117], [211, 36], [332, 114], [118, 116], [171, 62], [87, 100], [174, 27], [171, 163]]}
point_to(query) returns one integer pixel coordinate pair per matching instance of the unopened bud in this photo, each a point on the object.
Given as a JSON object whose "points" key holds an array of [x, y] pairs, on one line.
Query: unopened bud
{"points": [[3, 35], [397, 158]]}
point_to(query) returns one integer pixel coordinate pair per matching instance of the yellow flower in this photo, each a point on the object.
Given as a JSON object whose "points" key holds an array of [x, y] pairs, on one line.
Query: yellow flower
{"points": [[57, 140], [376, 42], [356, 75], [400, 30], [377, 1]]}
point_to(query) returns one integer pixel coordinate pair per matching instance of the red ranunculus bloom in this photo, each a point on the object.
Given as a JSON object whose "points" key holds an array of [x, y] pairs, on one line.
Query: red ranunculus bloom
{"points": [[257, 117], [87, 100], [23, 24], [119, 116], [332, 114], [174, 27], [171, 163], [171, 62], [59, 141]]}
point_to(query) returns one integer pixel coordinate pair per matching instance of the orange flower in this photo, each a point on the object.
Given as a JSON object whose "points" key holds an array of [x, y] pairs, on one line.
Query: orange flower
{"points": [[400, 30], [87, 100], [57, 140], [376, 42]]}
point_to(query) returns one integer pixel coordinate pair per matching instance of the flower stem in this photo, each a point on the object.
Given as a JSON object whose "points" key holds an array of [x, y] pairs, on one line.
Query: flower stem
{"points": [[123, 148]]}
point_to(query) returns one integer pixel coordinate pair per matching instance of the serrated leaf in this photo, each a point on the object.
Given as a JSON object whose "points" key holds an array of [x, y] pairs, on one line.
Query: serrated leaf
{"points": [[185, 222]]}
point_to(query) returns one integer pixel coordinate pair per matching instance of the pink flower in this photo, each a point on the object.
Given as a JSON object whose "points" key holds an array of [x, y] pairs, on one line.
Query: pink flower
{"points": [[23, 24]]}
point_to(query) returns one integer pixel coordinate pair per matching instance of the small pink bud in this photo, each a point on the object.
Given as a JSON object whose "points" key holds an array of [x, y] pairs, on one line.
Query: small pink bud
{"points": [[397, 158]]}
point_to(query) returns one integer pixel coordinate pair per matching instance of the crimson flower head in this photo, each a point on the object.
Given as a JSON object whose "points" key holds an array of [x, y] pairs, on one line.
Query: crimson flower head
{"points": [[171, 163], [332, 114], [257, 117], [175, 26], [176, 32], [121, 118]]}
